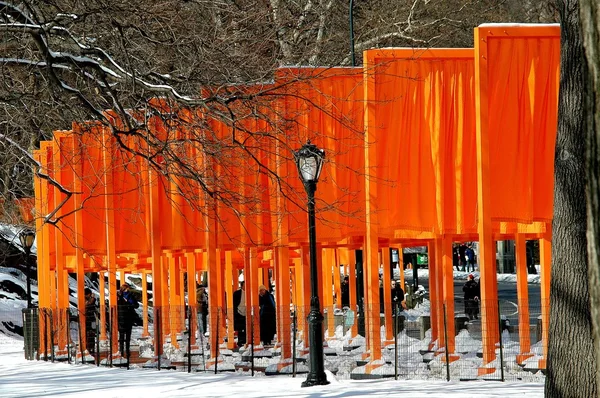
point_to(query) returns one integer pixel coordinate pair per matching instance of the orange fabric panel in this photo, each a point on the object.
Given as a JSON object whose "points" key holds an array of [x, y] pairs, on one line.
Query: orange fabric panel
{"points": [[522, 131], [63, 160], [325, 106], [423, 125], [88, 149], [131, 230]]}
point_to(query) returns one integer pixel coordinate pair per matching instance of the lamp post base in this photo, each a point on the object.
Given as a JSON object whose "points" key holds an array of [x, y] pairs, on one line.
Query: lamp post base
{"points": [[315, 380]]}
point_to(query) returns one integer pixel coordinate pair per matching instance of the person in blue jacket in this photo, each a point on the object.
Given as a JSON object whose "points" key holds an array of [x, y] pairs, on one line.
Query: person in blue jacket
{"points": [[268, 325], [126, 315]]}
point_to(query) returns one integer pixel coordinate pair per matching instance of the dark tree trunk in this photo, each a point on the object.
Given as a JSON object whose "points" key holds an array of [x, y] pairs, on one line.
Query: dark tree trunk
{"points": [[571, 363], [590, 24]]}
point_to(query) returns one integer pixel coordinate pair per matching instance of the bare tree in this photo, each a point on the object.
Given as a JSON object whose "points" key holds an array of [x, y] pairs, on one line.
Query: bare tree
{"points": [[570, 337], [590, 24], [70, 60]]}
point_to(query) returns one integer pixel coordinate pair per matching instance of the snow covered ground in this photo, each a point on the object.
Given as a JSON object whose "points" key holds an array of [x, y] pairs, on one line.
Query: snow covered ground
{"points": [[21, 378], [37, 378]]}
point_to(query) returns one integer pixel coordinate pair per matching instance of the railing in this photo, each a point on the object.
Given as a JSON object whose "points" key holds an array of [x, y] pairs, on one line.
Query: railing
{"points": [[409, 347]]}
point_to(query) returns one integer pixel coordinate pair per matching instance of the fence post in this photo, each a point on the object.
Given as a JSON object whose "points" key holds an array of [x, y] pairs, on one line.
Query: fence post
{"points": [[446, 341], [294, 319], [158, 337], [501, 348], [80, 338], [97, 340], [396, 341], [68, 332], [51, 336], [110, 336], [252, 340], [217, 340], [45, 312], [190, 329]]}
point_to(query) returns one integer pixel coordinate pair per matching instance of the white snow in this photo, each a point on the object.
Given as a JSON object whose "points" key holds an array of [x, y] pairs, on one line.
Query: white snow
{"points": [[21, 378]]}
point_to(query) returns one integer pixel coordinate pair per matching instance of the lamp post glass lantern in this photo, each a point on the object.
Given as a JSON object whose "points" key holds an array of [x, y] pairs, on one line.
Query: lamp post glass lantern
{"points": [[27, 237], [309, 160]]}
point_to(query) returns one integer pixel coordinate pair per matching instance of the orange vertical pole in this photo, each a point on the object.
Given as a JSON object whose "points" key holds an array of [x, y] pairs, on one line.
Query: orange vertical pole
{"points": [[173, 302], [401, 265], [370, 253], [212, 262], [230, 286], [545, 261], [303, 318], [327, 286], [283, 300], [220, 300], [299, 296], [62, 289], [252, 297], [190, 267], [42, 253], [487, 264], [109, 221], [151, 195], [448, 292], [434, 296], [336, 277], [102, 287], [53, 303], [322, 278], [112, 301], [522, 299], [166, 297], [353, 295], [387, 292], [436, 293]]}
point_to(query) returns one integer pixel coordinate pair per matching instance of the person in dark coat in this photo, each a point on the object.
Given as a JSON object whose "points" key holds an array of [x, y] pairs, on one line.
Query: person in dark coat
{"points": [[202, 307], [239, 314], [397, 296], [126, 315], [268, 325], [462, 250], [472, 292], [345, 288], [91, 312], [470, 255]]}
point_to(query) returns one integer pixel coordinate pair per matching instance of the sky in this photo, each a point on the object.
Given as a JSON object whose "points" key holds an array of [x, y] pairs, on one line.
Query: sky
{"points": [[21, 378]]}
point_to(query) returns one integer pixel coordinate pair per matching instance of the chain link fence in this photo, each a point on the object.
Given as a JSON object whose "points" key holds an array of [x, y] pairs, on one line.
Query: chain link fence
{"points": [[184, 338]]}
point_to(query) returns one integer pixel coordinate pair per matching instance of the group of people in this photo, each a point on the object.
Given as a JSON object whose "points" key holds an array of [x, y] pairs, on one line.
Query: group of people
{"points": [[126, 317], [267, 314], [464, 258]]}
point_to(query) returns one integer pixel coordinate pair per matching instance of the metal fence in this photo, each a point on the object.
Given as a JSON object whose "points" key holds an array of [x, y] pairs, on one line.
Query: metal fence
{"points": [[407, 349]]}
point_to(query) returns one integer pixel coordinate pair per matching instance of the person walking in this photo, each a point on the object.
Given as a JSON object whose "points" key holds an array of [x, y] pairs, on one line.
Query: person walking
{"points": [[462, 250], [268, 324], [345, 288], [470, 255], [126, 315], [471, 296], [239, 314], [397, 295], [397, 306], [91, 313], [456, 258], [202, 307]]}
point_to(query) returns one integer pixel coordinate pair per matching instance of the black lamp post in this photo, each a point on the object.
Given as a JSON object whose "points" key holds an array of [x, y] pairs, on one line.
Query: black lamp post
{"points": [[309, 160], [27, 237]]}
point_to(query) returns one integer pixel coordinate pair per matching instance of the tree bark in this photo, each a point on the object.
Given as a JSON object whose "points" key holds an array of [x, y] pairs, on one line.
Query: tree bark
{"points": [[571, 363], [590, 25]]}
